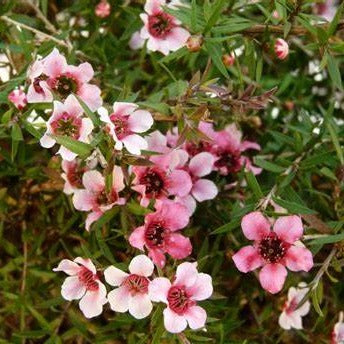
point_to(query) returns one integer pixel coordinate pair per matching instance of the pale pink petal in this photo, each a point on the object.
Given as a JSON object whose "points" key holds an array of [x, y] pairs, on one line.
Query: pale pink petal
{"points": [[189, 202], [178, 246], [153, 6], [158, 257], [92, 303], [83, 200], [104, 115], [93, 181], [284, 321], [201, 164], [66, 154], [39, 97], [247, 259], [118, 178], [90, 94], [54, 64], [86, 129], [68, 267], [173, 322], [245, 145], [196, 317], [72, 106], [202, 289], [289, 228], [83, 73], [123, 108], [177, 38], [156, 141], [299, 259], [175, 215], [119, 299], [141, 265], [114, 276], [87, 263], [153, 44], [47, 141], [72, 288], [186, 274], [255, 226], [136, 41], [204, 189], [158, 289], [134, 144], [137, 239], [91, 218], [140, 306], [140, 121], [180, 183], [272, 277]]}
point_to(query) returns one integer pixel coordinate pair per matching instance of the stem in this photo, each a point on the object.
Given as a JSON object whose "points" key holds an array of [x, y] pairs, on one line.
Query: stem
{"points": [[323, 268], [23, 282]]}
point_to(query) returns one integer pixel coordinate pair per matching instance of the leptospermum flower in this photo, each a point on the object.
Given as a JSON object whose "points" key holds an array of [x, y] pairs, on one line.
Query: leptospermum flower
{"points": [[53, 75], [103, 9], [159, 233], [181, 296], [281, 48], [83, 284], [67, 119], [338, 331], [18, 98], [95, 198], [131, 293], [161, 30], [124, 124], [273, 250], [202, 189], [292, 314]]}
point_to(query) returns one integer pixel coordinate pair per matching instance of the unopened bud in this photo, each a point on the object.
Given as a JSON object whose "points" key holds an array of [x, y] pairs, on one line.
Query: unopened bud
{"points": [[228, 59], [194, 43], [281, 48]]}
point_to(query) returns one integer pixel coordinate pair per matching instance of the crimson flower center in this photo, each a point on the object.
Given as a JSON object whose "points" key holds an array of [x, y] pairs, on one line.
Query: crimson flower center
{"points": [[121, 125], [74, 176], [67, 125], [153, 181], [88, 278], [136, 284], [36, 82], [272, 249], [229, 160], [104, 198], [155, 235], [160, 24], [66, 85], [179, 300]]}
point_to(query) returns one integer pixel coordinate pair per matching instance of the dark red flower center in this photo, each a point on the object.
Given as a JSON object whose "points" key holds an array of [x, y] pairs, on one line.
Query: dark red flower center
{"points": [[272, 249], [136, 284], [105, 198], [179, 300], [228, 160], [195, 148], [154, 182], [160, 24], [89, 279], [65, 85], [74, 176], [67, 125], [155, 235], [36, 83], [121, 125]]}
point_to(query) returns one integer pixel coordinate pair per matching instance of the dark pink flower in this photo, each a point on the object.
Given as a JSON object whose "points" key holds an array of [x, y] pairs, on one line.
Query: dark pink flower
{"points": [[273, 250], [159, 233], [103, 9], [18, 98], [181, 296], [281, 48]]}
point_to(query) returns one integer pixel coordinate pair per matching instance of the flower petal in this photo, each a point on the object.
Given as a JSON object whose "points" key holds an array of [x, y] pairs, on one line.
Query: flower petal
{"points": [[247, 259], [72, 288], [92, 303], [123, 108], [289, 228], [87, 263], [137, 239], [83, 200], [255, 226], [202, 288], [196, 317], [68, 267], [201, 164], [158, 289], [272, 277], [204, 189], [175, 215], [114, 276], [180, 183], [140, 121], [141, 265], [173, 322], [178, 246], [299, 259], [134, 144], [90, 94], [140, 306], [119, 299], [118, 178], [186, 274], [93, 181]]}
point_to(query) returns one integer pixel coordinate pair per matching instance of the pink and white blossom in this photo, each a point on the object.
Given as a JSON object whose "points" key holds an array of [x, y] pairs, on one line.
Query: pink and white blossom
{"points": [[131, 293], [273, 250], [95, 198], [337, 336], [103, 9], [125, 123], [67, 120], [83, 284], [159, 234], [18, 98], [161, 30], [181, 296], [291, 316], [326, 9], [281, 48]]}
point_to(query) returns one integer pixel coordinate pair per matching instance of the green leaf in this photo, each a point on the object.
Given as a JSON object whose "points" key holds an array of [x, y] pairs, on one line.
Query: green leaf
{"points": [[16, 133], [81, 148], [94, 118], [333, 70], [105, 218], [214, 14], [269, 166], [31, 129], [215, 52], [315, 301], [293, 207], [334, 23], [328, 239], [175, 55], [253, 184]]}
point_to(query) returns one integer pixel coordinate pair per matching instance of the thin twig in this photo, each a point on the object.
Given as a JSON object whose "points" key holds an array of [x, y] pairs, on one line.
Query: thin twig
{"points": [[23, 282]]}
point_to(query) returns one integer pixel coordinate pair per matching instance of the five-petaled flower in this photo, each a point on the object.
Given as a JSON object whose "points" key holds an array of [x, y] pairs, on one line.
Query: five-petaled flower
{"points": [[181, 296], [131, 293], [83, 284], [273, 250]]}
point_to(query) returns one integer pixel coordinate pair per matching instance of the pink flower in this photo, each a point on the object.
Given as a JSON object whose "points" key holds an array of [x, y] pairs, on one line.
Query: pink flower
{"points": [[228, 148], [67, 120], [188, 287], [95, 198], [103, 9], [83, 284], [53, 75], [124, 124], [132, 289], [281, 48], [202, 189], [338, 331], [159, 236], [326, 9], [18, 98], [161, 30], [273, 250], [291, 317]]}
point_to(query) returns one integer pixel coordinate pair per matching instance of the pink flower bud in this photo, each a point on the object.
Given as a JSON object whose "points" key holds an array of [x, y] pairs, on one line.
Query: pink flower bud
{"points": [[228, 59], [275, 14], [103, 9], [281, 48], [194, 43], [18, 98]]}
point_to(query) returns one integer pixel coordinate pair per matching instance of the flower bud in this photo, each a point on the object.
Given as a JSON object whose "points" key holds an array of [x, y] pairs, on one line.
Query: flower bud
{"points": [[281, 48], [103, 9], [18, 98], [228, 59], [194, 43]]}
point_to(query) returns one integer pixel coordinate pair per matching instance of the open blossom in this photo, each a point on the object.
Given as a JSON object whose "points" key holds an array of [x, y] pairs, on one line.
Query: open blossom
{"points": [[202, 189], [181, 296], [161, 30], [281, 48], [131, 293], [338, 331], [291, 316], [83, 284], [159, 233], [124, 124], [67, 120], [95, 198], [103, 9], [18, 98], [273, 250], [52, 74], [326, 9]]}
